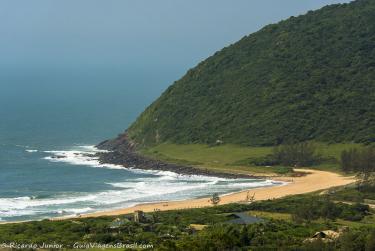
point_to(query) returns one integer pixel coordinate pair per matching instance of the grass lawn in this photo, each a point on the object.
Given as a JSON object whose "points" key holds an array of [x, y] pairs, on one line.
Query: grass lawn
{"points": [[223, 158], [271, 215]]}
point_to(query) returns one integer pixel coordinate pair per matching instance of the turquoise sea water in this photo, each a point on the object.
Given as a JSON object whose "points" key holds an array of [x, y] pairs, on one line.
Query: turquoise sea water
{"points": [[44, 114]]}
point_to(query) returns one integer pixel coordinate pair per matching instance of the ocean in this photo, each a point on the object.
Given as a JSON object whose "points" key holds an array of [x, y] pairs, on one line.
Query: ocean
{"points": [[44, 114]]}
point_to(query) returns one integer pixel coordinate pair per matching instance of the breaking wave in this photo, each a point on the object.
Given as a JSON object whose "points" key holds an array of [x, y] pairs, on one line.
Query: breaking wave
{"points": [[154, 186]]}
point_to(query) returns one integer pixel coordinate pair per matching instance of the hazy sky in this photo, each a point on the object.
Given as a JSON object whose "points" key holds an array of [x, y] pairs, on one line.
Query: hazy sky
{"points": [[83, 70], [131, 34]]}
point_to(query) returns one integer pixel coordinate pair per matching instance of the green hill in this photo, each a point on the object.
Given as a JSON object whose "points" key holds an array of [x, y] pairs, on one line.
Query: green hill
{"points": [[310, 77]]}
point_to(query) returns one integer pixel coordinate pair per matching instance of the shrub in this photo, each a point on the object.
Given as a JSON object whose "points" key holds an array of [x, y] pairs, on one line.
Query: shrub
{"points": [[299, 154]]}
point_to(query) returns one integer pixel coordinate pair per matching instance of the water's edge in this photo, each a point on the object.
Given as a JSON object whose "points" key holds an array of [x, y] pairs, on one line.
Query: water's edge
{"points": [[121, 151], [135, 186]]}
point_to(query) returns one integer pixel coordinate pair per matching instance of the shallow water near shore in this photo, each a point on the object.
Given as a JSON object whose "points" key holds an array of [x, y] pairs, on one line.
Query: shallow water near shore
{"points": [[47, 132], [71, 182]]}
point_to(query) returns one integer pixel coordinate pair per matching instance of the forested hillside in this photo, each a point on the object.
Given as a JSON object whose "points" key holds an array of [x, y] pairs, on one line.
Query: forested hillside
{"points": [[308, 77]]}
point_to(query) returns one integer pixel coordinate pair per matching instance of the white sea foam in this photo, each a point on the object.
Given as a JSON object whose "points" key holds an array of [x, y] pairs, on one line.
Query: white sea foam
{"points": [[31, 151], [74, 210], [82, 156], [29, 202], [162, 183], [22, 146], [155, 186]]}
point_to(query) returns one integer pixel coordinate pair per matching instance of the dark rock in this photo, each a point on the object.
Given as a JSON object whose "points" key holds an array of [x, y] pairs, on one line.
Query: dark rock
{"points": [[58, 157], [122, 152]]}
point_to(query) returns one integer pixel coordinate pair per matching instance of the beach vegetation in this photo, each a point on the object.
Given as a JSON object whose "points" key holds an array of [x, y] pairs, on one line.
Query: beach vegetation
{"points": [[215, 199], [359, 161], [297, 154], [288, 223]]}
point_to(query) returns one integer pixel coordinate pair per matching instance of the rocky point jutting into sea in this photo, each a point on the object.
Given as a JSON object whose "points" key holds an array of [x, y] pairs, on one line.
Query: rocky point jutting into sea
{"points": [[121, 151]]}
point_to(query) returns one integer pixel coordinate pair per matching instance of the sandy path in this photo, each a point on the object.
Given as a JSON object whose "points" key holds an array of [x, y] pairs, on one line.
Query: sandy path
{"points": [[314, 181]]}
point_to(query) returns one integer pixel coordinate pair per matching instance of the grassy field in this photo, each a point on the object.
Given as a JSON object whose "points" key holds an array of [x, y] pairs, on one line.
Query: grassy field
{"points": [[224, 157], [271, 215]]}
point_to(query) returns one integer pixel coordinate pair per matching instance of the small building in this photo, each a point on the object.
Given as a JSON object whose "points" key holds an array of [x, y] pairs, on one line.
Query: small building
{"points": [[244, 219], [325, 236]]}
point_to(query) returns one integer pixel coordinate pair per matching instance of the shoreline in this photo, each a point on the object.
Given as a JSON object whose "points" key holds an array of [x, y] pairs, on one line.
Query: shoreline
{"points": [[137, 161], [122, 151], [312, 181], [315, 180]]}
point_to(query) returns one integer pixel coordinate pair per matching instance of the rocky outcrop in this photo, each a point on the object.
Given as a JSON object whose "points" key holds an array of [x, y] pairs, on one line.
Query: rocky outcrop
{"points": [[121, 151]]}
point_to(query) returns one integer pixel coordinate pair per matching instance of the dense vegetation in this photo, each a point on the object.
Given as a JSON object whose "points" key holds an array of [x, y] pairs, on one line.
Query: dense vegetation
{"points": [[359, 160], [177, 230], [363, 192], [275, 235], [309, 77], [308, 208], [297, 155]]}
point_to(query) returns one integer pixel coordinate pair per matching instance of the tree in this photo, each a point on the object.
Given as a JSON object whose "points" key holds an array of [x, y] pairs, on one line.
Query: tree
{"points": [[250, 198], [361, 161], [346, 161], [298, 154], [215, 199]]}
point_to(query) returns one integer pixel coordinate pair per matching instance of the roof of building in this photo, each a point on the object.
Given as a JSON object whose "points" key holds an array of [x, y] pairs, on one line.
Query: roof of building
{"points": [[326, 234], [243, 218]]}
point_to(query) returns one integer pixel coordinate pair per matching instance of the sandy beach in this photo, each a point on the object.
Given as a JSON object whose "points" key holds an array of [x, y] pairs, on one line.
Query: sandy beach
{"points": [[314, 181]]}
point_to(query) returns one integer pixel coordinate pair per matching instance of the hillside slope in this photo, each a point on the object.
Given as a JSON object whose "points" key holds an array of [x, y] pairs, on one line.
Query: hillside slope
{"points": [[309, 77]]}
